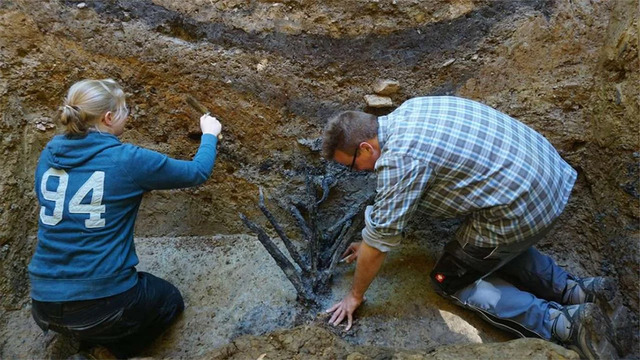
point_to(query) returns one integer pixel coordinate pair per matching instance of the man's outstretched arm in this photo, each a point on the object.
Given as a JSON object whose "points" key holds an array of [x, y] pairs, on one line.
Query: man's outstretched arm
{"points": [[401, 182], [369, 262]]}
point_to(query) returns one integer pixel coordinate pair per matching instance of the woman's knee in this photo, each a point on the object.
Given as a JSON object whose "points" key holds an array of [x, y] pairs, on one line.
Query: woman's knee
{"points": [[163, 293]]}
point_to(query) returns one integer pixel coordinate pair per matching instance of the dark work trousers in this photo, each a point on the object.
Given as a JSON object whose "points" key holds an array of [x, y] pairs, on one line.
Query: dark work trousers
{"points": [[512, 286], [123, 323]]}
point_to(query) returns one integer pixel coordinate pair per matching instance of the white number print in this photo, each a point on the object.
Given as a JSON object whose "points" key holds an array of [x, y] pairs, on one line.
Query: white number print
{"points": [[56, 196], [95, 208]]}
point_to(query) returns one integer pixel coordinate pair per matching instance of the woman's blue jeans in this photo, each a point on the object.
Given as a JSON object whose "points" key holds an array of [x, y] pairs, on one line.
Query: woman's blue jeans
{"points": [[123, 323]]}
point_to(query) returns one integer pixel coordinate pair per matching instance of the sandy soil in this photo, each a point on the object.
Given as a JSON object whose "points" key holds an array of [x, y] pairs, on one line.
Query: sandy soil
{"points": [[274, 72], [232, 287]]}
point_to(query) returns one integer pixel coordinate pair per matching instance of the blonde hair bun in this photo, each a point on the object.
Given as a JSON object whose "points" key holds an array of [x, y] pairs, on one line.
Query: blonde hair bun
{"points": [[86, 103]]}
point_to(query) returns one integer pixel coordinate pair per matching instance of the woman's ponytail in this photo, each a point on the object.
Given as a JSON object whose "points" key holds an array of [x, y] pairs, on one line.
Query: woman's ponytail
{"points": [[74, 120], [88, 101]]}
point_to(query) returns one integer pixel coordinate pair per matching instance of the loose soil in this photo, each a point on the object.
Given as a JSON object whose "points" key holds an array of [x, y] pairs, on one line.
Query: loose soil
{"points": [[273, 72]]}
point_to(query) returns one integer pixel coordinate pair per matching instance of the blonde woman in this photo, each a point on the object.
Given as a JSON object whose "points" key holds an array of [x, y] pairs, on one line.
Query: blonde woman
{"points": [[89, 186]]}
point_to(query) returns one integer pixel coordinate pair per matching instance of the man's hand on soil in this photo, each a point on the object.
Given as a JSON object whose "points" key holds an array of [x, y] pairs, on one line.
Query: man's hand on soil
{"points": [[351, 254], [344, 308]]}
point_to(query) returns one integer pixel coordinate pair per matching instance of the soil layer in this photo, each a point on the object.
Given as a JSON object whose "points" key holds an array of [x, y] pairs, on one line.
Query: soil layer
{"points": [[273, 72]]}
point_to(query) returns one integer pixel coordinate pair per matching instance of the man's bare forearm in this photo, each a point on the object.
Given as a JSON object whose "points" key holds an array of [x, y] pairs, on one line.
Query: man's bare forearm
{"points": [[370, 260]]}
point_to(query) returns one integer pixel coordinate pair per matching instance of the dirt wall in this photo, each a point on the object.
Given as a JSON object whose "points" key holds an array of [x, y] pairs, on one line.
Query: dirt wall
{"points": [[274, 71]]}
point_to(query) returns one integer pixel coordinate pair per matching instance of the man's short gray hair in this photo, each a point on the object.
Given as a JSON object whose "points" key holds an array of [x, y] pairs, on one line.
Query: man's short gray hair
{"points": [[346, 130]]}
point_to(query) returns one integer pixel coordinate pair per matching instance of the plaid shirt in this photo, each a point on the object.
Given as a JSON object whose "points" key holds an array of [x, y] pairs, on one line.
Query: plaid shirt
{"points": [[450, 157]]}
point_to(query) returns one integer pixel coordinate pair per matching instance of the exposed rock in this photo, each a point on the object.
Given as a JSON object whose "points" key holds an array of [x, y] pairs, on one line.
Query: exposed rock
{"points": [[448, 62], [535, 349], [376, 101], [44, 123], [226, 297], [386, 87], [312, 144], [262, 64], [567, 69], [312, 342]]}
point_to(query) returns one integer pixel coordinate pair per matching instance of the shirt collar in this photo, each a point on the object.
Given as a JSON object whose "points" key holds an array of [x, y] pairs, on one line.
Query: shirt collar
{"points": [[383, 130]]}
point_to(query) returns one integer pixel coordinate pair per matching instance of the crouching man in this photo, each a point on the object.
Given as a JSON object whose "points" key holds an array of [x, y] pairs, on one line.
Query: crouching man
{"points": [[452, 157]]}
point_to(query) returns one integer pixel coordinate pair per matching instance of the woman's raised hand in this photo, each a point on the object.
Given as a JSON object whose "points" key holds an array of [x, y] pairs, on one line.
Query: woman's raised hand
{"points": [[210, 125]]}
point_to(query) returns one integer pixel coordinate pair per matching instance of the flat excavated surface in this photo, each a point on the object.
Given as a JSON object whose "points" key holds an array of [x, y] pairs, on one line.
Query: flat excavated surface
{"points": [[232, 287]]}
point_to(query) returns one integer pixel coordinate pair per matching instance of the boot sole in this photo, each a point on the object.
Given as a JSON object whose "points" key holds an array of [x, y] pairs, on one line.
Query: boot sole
{"points": [[594, 336]]}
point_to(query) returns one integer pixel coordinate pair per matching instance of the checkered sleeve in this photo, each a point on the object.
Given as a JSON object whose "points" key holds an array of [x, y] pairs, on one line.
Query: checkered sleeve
{"points": [[401, 181]]}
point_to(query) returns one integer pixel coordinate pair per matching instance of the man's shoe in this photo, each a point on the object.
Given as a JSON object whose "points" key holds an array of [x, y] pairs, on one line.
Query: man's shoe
{"points": [[601, 290], [585, 329]]}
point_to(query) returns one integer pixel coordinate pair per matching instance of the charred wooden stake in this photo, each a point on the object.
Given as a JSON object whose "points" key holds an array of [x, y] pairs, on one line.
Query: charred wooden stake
{"points": [[341, 243], [327, 181], [295, 255], [307, 233], [312, 208], [289, 270], [310, 277]]}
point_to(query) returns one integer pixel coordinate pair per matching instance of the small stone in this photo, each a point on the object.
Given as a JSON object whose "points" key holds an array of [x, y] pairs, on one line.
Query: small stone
{"points": [[356, 356], [41, 127], [81, 5], [312, 144], [386, 87], [618, 97], [263, 64], [376, 101], [448, 62], [474, 57]]}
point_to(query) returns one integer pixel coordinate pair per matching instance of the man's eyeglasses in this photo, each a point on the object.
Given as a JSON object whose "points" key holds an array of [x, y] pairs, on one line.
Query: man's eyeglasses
{"points": [[353, 162]]}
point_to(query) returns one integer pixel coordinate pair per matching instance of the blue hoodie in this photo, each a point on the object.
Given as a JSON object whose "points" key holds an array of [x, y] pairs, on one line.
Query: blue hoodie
{"points": [[89, 190]]}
